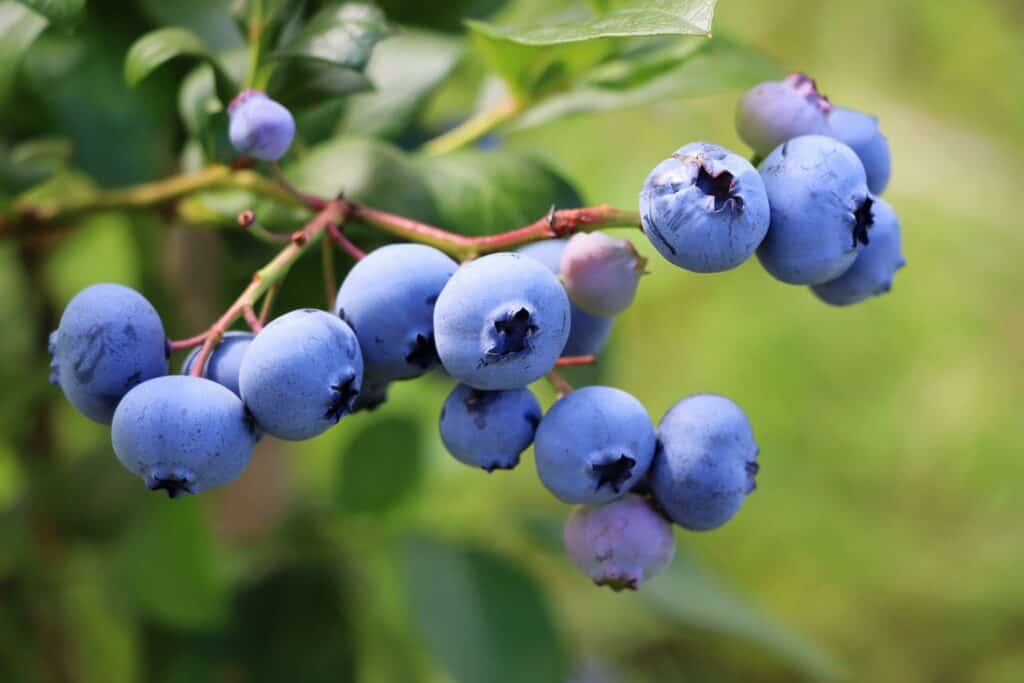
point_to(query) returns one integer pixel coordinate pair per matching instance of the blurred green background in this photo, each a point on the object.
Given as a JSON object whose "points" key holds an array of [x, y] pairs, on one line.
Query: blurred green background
{"points": [[884, 540]]}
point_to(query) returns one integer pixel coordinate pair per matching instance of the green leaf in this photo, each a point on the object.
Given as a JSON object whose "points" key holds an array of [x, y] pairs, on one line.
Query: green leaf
{"points": [[444, 16], [677, 69], [61, 12], [342, 35], [383, 464], [482, 193], [209, 19], [19, 27], [303, 83], [405, 70], [166, 564], [686, 596], [158, 47], [634, 18], [482, 617]]}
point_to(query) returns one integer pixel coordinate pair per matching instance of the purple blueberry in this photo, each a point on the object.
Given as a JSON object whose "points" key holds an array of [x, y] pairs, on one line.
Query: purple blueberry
{"points": [[489, 429], [594, 445], [588, 334], [182, 434], [224, 362], [501, 322], [259, 126], [821, 210], [601, 274], [876, 265], [619, 544], [860, 132], [705, 208], [109, 340], [301, 374], [388, 301], [773, 112], [706, 462]]}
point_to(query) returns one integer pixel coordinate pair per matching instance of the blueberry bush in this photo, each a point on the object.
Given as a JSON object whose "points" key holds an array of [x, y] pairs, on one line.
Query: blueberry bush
{"points": [[327, 193]]}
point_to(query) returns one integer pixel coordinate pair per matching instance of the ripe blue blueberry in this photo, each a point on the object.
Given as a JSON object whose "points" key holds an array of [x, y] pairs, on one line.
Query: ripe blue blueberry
{"points": [[860, 132], [601, 274], [301, 374], [182, 434], [259, 126], [110, 339], [388, 301], [501, 322], [706, 462], [619, 544], [876, 265], [224, 362], [776, 111], [704, 208], [821, 210], [594, 445], [372, 395], [588, 334], [489, 429]]}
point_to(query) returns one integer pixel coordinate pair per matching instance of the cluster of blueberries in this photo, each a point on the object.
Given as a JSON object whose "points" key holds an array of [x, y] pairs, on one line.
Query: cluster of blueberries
{"points": [[499, 323]]}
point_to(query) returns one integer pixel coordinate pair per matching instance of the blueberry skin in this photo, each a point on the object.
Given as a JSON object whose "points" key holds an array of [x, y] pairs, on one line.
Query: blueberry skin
{"points": [[773, 112], [388, 300], [259, 126], [224, 362], [301, 374], [706, 462], [489, 429], [501, 322], [588, 334], [821, 211], [594, 445], [601, 274], [876, 265], [705, 208], [620, 544], [110, 339], [860, 132], [182, 434]]}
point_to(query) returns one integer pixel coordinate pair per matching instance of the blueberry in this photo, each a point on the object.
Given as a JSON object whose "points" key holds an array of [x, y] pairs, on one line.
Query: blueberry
{"points": [[301, 374], [224, 362], [489, 429], [372, 395], [860, 132], [821, 210], [773, 112], [876, 265], [619, 544], [594, 445], [259, 126], [588, 334], [388, 300], [110, 339], [704, 208], [601, 274], [182, 434], [706, 462], [501, 322]]}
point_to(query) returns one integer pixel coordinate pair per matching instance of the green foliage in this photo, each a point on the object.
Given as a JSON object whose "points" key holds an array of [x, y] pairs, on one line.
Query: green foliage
{"points": [[19, 27], [154, 49], [383, 466], [58, 12]]}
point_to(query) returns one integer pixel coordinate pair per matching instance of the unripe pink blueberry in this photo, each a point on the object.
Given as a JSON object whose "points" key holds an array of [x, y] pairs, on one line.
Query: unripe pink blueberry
{"points": [[259, 126], [774, 112], [619, 544], [600, 273]]}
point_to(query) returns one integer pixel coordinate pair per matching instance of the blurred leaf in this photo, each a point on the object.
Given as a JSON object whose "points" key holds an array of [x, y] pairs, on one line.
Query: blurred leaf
{"points": [[19, 27], [57, 11], [686, 596], [106, 642], [482, 617], [294, 625], [677, 69], [158, 47], [405, 70], [482, 193], [209, 19], [341, 35], [630, 18], [446, 16], [166, 563], [383, 464], [303, 83]]}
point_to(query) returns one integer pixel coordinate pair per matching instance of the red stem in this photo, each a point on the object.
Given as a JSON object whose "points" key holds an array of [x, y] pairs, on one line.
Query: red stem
{"points": [[182, 344], [338, 236], [562, 388], [251, 320], [571, 361]]}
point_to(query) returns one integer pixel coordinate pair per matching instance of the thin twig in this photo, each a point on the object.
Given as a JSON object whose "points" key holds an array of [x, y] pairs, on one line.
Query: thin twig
{"points": [[182, 344], [268, 302], [562, 388], [251, 320], [572, 361], [345, 243]]}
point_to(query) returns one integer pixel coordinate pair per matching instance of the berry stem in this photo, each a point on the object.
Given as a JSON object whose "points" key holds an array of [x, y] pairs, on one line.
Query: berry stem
{"points": [[345, 243], [183, 344], [268, 302], [255, 40], [562, 387], [475, 127], [251, 320], [573, 361]]}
